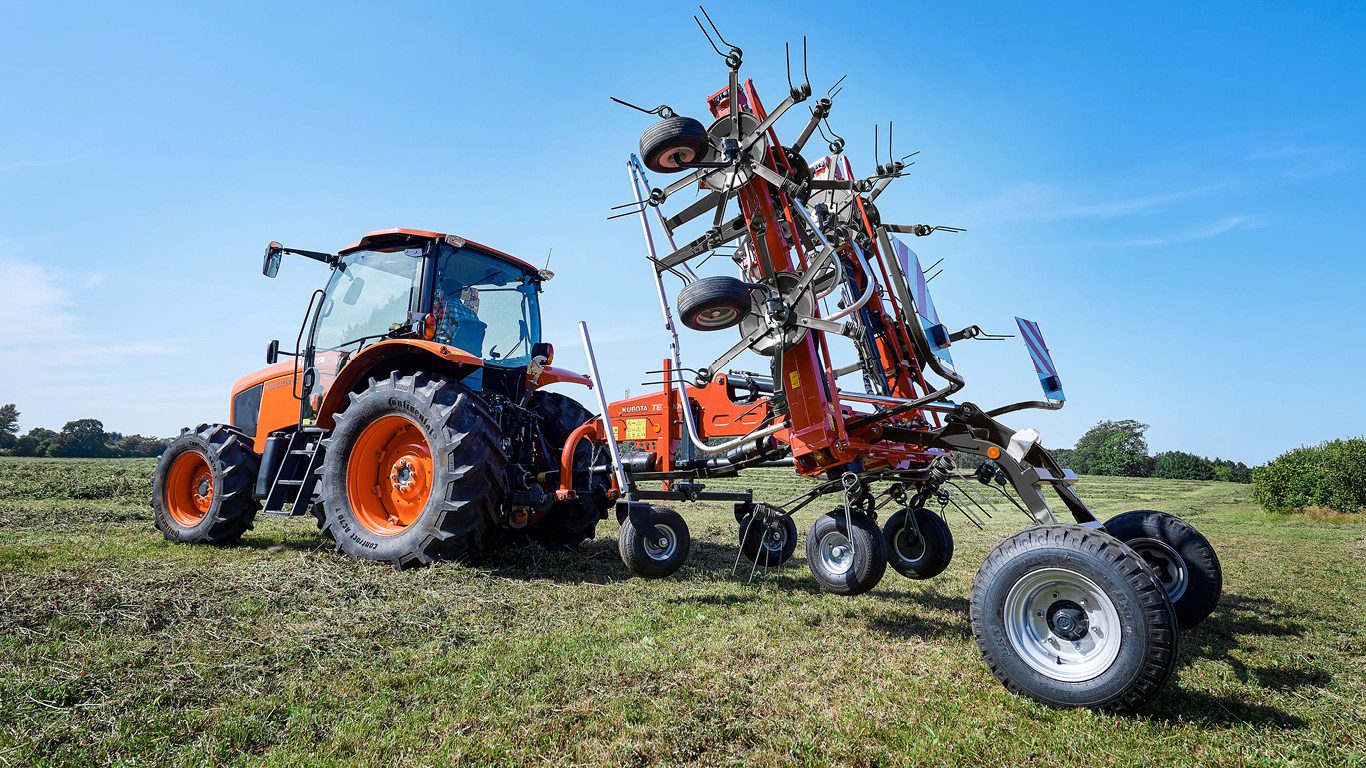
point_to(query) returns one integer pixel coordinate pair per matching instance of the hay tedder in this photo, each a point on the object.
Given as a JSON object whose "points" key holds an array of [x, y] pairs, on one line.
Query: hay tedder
{"points": [[410, 422]]}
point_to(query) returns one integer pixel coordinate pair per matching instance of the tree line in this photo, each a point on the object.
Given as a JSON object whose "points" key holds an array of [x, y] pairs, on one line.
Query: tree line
{"points": [[82, 438], [1118, 448]]}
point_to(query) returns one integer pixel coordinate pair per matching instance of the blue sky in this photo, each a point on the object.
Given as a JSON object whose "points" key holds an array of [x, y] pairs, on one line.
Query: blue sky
{"points": [[1174, 191]]}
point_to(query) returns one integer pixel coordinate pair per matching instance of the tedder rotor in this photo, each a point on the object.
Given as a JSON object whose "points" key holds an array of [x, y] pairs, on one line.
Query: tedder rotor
{"points": [[859, 395]]}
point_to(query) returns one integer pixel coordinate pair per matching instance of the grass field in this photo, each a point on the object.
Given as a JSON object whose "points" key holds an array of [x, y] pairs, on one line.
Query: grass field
{"points": [[119, 648]]}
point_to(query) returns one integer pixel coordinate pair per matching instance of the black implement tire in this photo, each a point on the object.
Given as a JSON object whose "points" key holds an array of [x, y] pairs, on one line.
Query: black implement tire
{"points": [[671, 141], [1072, 617], [836, 568], [919, 543], [1185, 562], [567, 524], [649, 559], [212, 458], [768, 546], [713, 303], [468, 471]]}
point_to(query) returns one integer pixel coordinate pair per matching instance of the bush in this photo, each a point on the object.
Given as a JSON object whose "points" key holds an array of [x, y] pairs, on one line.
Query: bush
{"points": [[1344, 474], [1331, 475], [1179, 465]]}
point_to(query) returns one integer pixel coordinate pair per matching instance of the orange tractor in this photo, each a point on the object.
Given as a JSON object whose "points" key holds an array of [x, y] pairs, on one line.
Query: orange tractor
{"points": [[409, 420]]}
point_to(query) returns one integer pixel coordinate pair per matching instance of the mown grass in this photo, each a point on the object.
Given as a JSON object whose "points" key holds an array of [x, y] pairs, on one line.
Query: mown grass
{"points": [[119, 648]]}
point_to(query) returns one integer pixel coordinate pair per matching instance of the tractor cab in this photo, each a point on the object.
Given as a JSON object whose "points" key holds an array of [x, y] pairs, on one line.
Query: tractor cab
{"points": [[413, 284]]}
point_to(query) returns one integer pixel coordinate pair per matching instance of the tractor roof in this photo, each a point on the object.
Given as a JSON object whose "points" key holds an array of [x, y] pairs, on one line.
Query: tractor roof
{"points": [[400, 235]]}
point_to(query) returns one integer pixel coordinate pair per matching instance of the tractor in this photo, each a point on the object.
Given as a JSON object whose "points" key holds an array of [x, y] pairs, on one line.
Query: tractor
{"points": [[409, 420]]}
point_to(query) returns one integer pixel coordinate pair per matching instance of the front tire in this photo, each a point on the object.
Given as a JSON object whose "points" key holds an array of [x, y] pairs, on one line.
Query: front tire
{"points": [[202, 488], [413, 472], [1071, 617], [1183, 559]]}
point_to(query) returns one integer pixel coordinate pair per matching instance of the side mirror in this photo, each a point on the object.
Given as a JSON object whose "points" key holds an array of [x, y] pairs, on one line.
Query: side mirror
{"points": [[272, 351], [270, 266]]}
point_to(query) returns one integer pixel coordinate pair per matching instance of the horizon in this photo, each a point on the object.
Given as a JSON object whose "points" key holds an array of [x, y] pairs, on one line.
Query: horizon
{"points": [[1166, 193]]}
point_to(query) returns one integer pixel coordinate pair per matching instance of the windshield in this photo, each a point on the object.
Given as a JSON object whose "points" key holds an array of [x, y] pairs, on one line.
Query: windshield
{"points": [[370, 292], [486, 306]]}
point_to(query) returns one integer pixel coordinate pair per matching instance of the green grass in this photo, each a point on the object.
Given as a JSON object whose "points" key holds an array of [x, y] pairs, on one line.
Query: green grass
{"points": [[119, 648]]}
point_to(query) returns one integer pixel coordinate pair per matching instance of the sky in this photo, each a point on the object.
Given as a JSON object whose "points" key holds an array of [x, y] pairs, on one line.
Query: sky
{"points": [[1174, 191]]}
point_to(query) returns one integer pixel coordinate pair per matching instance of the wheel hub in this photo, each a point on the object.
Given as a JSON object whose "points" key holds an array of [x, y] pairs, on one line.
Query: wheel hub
{"points": [[389, 475], [1068, 620]]}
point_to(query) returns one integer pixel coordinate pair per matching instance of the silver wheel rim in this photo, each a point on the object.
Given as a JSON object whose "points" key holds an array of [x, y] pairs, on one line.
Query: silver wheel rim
{"points": [[1170, 567], [835, 555], [660, 548], [1062, 624]]}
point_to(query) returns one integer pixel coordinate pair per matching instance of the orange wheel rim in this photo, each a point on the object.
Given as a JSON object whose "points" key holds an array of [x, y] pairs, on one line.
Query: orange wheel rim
{"points": [[189, 488], [389, 475]]}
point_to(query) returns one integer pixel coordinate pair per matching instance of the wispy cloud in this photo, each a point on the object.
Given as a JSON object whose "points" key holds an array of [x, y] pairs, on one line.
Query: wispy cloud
{"points": [[25, 163], [39, 328], [1040, 202], [1304, 162], [1212, 229]]}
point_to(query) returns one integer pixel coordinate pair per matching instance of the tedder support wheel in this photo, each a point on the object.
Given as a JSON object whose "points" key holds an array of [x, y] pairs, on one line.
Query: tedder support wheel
{"points": [[713, 303], [655, 558], [413, 472], [1183, 559], [768, 545], [1072, 617], [846, 562], [672, 141], [567, 524], [202, 488], [919, 543]]}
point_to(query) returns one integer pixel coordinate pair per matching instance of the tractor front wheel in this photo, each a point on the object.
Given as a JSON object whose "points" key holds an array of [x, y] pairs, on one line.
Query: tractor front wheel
{"points": [[202, 489], [413, 472]]}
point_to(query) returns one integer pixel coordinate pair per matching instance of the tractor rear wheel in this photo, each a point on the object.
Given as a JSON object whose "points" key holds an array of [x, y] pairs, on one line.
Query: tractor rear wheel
{"points": [[567, 524], [414, 472], [1072, 617], [1183, 559], [202, 488]]}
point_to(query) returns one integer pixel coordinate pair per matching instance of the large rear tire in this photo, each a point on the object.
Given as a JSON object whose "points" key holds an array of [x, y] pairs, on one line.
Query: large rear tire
{"points": [[202, 488], [567, 524], [414, 472], [1072, 617]]}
